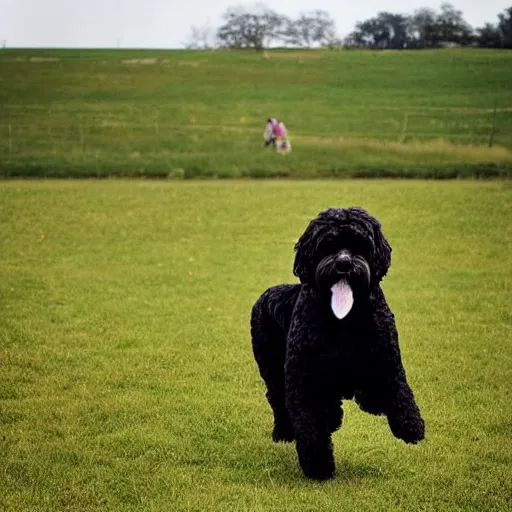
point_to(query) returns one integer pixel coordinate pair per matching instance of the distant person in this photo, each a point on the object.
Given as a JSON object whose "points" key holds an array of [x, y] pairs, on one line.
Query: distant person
{"points": [[276, 134]]}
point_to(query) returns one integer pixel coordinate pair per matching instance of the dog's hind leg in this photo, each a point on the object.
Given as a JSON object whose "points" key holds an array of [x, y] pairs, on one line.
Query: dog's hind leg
{"points": [[269, 348]]}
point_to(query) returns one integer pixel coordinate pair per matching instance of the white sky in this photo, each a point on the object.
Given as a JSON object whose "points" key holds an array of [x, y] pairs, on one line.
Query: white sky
{"points": [[166, 23]]}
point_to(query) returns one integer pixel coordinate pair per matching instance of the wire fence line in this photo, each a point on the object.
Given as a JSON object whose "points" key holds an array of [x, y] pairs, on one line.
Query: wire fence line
{"points": [[30, 138], [416, 109], [111, 132]]}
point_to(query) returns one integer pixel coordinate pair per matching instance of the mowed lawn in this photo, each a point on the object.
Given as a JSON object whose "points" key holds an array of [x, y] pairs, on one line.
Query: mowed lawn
{"points": [[127, 380]]}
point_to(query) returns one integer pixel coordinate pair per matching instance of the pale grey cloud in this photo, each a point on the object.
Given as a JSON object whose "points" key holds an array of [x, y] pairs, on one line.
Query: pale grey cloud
{"points": [[166, 23]]}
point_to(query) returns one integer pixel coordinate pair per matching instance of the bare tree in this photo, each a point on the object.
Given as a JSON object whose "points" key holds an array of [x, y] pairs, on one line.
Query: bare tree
{"points": [[315, 28], [201, 38], [250, 29]]}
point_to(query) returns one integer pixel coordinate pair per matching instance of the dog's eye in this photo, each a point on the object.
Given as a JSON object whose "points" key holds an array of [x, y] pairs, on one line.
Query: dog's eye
{"points": [[361, 245], [352, 241], [328, 245]]}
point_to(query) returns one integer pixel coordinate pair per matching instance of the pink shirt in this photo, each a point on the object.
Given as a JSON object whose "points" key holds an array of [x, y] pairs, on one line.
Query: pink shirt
{"points": [[278, 131]]}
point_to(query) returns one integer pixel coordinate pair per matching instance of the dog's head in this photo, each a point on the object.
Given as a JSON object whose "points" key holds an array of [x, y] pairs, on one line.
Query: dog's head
{"points": [[343, 254]]}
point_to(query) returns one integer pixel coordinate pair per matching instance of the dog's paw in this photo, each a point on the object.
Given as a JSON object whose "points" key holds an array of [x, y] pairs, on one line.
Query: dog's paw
{"points": [[282, 433], [317, 464], [410, 429], [319, 472]]}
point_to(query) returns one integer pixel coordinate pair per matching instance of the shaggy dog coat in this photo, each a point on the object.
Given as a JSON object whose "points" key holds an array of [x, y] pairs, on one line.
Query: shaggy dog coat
{"points": [[332, 338]]}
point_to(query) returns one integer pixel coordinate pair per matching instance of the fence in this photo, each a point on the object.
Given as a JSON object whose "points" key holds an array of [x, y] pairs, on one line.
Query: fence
{"points": [[128, 137]]}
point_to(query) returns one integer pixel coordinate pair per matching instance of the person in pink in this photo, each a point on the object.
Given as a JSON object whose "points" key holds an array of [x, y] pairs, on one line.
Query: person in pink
{"points": [[276, 134]]}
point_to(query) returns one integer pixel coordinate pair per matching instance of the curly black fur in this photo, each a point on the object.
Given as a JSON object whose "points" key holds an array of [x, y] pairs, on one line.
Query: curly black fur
{"points": [[311, 361]]}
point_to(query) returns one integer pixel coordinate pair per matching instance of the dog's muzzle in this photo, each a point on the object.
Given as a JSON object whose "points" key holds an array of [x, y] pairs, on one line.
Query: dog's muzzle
{"points": [[342, 275], [343, 262]]}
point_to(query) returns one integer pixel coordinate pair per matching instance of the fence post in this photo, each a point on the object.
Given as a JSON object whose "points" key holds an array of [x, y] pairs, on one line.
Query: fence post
{"points": [[404, 128], [10, 141], [493, 127], [157, 116], [81, 133]]}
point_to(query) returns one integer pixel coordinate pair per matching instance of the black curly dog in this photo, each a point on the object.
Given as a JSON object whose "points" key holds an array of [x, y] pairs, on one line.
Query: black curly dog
{"points": [[332, 337]]}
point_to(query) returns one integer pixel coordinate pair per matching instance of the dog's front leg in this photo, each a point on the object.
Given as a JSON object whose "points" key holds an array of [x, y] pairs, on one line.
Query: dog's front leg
{"points": [[391, 391], [403, 414], [306, 388], [309, 420]]}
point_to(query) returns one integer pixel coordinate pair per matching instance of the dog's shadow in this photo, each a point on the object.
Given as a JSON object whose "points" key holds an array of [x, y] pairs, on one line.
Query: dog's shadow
{"points": [[276, 465], [286, 471]]}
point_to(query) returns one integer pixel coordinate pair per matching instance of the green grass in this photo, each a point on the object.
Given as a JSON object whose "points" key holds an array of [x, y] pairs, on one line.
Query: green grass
{"points": [[127, 377], [96, 113]]}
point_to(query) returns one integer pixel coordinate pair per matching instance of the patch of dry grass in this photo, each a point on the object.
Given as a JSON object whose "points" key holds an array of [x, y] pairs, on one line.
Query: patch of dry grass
{"points": [[440, 147], [147, 61]]}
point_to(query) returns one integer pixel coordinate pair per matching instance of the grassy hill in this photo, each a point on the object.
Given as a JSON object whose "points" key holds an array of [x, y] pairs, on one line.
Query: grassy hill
{"points": [[182, 114]]}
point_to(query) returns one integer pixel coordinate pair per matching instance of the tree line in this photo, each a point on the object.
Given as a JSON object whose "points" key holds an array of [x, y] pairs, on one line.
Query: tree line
{"points": [[261, 28]]}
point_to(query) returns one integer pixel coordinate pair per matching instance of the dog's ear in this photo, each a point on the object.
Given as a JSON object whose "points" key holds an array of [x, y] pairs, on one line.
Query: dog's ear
{"points": [[304, 254], [382, 255]]}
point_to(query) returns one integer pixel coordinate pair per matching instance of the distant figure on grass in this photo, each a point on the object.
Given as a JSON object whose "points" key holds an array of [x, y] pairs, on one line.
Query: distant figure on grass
{"points": [[276, 134]]}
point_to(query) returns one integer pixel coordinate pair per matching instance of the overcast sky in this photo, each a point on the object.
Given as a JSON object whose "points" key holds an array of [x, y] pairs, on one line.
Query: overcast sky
{"points": [[167, 23]]}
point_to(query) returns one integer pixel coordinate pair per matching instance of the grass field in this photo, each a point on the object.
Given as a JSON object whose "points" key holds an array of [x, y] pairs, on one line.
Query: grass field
{"points": [[189, 114], [127, 378]]}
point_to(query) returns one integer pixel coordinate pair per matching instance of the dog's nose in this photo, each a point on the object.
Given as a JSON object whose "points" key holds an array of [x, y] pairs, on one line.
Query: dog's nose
{"points": [[343, 262]]}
